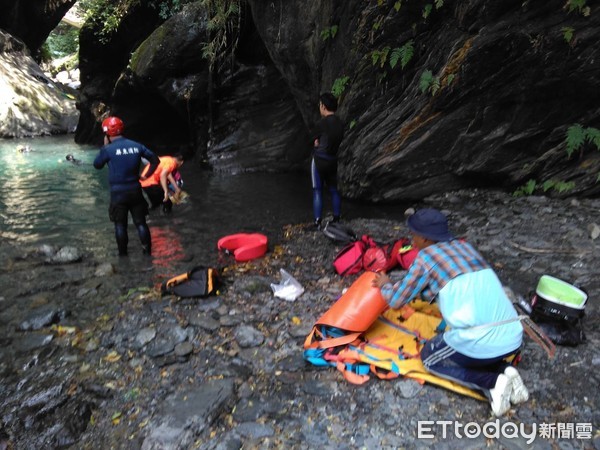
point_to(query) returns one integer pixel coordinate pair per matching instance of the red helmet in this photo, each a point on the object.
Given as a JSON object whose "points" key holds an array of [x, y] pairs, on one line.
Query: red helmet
{"points": [[112, 126]]}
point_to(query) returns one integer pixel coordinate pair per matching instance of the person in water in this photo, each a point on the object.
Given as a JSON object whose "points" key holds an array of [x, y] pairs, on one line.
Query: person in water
{"points": [[24, 149], [124, 158], [156, 186], [327, 136], [484, 326], [72, 160]]}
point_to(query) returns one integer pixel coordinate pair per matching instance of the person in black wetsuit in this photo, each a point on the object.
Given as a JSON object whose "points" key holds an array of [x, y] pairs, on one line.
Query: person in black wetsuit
{"points": [[124, 157], [73, 160], [327, 135]]}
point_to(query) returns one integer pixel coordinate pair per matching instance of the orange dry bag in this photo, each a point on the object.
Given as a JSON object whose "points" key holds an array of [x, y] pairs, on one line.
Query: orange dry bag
{"points": [[357, 308]]}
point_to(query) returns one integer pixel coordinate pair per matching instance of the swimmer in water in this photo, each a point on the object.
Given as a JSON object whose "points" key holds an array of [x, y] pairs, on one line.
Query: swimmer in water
{"points": [[72, 159], [24, 149]]}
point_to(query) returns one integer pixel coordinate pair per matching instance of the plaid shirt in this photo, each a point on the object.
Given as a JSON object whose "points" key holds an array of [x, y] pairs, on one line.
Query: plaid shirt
{"points": [[433, 268]]}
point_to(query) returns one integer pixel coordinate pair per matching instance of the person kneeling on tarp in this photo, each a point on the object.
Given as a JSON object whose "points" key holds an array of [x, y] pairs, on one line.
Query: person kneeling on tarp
{"points": [[156, 186], [483, 325]]}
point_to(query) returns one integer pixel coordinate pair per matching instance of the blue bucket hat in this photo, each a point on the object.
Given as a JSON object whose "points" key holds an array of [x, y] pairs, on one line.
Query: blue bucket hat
{"points": [[430, 224]]}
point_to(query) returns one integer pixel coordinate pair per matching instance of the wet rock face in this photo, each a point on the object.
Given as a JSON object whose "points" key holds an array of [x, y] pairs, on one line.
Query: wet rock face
{"points": [[32, 20], [509, 87], [249, 123], [101, 62], [32, 105], [506, 80], [505, 85]]}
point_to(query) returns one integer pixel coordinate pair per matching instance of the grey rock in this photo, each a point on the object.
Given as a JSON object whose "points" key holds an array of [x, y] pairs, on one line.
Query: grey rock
{"points": [[254, 430], [408, 388], [86, 291], [229, 320], [184, 349], [300, 331], [43, 397], [166, 341], [248, 410], [32, 341], [42, 317], [204, 321], [104, 270], [66, 255], [92, 345], [185, 415], [247, 336], [145, 335], [47, 250], [594, 230]]}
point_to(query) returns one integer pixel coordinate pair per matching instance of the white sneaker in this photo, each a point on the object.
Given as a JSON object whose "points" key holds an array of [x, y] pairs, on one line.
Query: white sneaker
{"points": [[519, 393], [500, 395]]}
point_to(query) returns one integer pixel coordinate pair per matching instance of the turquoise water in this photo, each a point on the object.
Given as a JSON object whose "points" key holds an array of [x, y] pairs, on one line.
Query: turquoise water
{"points": [[47, 200], [44, 198]]}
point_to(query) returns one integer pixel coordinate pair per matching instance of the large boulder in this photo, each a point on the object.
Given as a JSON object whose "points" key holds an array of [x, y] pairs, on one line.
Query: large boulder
{"points": [[102, 59], [30, 104], [250, 123], [506, 83]]}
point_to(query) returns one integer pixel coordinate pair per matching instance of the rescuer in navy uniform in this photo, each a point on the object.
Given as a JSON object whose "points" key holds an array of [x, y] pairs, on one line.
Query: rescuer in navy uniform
{"points": [[124, 158]]}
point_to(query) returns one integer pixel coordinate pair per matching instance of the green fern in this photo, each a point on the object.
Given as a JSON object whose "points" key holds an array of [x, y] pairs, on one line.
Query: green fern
{"points": [[564, 186], [527, 189], [435, 85], [530, 187], [439, 4], [380, 56], [329, 32], [339, 86], [427, 10], [378, 23], [575, 138], [548, 184], [425, 81], [403, 54], [375, 55], [592, 135], [568, 33], [334, 30], [573, 5], [398, 5], [352, 123]]}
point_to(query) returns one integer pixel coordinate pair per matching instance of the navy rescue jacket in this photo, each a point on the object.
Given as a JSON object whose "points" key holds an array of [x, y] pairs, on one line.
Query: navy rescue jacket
{"points": [[124, 157]]}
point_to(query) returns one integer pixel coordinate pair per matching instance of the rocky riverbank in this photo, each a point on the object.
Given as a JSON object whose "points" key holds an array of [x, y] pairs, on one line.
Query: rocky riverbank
{"points": [[93, 357]]}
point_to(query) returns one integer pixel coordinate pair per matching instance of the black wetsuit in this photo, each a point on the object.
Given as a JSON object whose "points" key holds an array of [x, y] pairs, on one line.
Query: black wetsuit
{"points": [[124, 157], [329, 131]]}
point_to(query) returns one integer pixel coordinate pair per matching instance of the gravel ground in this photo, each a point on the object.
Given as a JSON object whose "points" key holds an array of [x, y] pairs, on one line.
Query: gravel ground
{"points": [[93, 357]]}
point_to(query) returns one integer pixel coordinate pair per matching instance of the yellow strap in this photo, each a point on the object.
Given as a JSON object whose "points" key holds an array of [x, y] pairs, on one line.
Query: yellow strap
{"points": [[177, 280], [210, 280]]}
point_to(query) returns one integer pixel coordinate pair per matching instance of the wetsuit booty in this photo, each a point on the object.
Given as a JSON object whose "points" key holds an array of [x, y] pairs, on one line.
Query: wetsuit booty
{"points": [[167, 207], [144, 235], [122, 238]]}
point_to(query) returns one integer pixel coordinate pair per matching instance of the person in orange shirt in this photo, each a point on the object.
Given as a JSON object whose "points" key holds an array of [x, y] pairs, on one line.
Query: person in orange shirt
{"points": [[156, 186]]}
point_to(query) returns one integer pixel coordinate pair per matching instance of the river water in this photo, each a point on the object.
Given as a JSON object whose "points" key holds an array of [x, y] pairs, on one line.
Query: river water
{"points": [[46, 200]]}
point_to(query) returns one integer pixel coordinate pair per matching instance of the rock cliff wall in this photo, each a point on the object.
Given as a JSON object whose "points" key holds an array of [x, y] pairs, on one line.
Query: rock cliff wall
{"points": [[435, 95], [30, 103]]}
